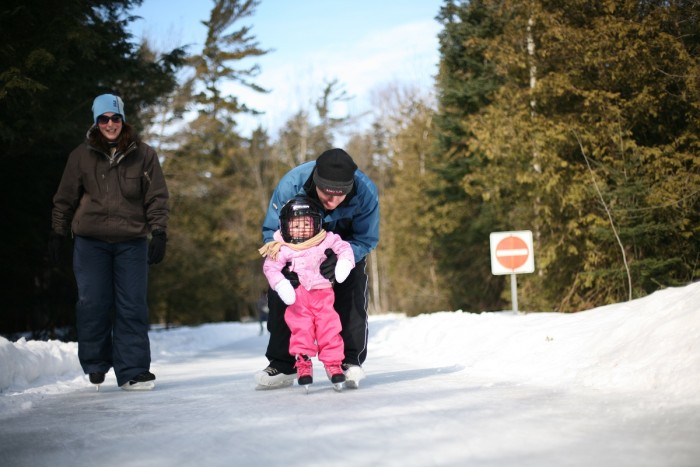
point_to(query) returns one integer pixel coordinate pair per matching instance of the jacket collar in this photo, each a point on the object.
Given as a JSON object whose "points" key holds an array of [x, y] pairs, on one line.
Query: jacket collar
{"points": [[118, 156]]}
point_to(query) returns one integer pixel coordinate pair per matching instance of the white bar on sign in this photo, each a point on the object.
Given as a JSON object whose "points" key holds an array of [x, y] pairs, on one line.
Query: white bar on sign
{"points": [[516, 252]]}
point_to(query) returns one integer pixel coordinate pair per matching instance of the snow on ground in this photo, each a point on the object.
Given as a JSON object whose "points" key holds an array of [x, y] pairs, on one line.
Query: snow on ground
{"points": [[617, 385]]}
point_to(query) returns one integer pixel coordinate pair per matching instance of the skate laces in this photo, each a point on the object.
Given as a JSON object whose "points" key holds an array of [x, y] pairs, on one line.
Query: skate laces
{"points": [[303, 365], [271, 371], [334, 369]]}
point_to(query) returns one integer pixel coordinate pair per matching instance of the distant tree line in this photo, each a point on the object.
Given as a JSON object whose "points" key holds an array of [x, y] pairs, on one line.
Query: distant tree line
{"points": [[577, 120]]}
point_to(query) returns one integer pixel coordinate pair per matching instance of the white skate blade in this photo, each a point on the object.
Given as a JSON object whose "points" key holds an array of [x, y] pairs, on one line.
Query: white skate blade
{"points": [[350, 384], [338, 387]]}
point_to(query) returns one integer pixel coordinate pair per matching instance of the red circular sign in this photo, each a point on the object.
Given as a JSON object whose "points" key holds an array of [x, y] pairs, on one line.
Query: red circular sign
{"points": [[512, 252]]}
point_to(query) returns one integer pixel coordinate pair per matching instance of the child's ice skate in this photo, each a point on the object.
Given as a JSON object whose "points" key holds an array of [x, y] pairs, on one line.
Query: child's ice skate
{"points": [[305, 371], [335, 373]]}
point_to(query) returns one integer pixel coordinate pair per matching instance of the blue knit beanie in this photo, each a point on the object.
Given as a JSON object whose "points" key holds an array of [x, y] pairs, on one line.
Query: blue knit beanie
{"points": [[107, 103]]}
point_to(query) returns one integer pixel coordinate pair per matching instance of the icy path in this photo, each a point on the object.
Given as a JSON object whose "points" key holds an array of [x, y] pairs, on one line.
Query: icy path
{"points": [[204, 412]]}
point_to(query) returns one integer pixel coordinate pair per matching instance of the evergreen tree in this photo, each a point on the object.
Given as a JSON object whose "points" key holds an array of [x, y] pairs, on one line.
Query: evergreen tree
{"points": [[215, 178], [466, 84], [308, 133], [614, 101], [411, 277]]}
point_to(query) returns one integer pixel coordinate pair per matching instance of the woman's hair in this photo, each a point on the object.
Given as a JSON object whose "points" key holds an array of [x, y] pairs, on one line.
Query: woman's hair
{"points": [[126, 137]]}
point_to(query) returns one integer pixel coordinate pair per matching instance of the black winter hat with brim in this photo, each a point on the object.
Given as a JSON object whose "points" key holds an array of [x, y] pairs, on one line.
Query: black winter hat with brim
{"points": [[335, 172]]}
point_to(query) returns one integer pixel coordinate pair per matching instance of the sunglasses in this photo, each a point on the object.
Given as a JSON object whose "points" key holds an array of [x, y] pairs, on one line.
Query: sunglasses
{"points": [[103, 119]]}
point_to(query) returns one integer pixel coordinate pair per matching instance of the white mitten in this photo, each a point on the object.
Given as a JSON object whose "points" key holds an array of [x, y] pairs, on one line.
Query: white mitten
{"points": [[342, 269], [286, 292]]}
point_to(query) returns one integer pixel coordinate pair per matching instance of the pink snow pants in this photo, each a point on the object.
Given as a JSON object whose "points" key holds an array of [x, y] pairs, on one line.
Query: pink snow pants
{"points": [[312, 319]]}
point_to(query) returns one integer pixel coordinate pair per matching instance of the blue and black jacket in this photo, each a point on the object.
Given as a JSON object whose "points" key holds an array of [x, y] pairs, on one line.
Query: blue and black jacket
{"points": [[356, 219]]}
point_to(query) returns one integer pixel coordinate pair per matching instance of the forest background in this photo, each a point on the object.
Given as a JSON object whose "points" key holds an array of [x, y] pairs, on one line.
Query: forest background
{"points": [[577, 120]]}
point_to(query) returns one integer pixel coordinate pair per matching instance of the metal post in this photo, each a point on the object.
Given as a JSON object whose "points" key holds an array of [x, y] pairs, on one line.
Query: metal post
{"points": [[514, 292]]}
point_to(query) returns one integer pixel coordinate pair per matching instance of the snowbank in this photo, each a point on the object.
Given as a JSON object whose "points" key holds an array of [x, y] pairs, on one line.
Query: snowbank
{"points": [[649, 344]]}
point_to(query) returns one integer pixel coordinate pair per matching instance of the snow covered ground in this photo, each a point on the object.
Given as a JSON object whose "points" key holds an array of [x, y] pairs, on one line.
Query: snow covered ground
{"points": [[614, 386]]}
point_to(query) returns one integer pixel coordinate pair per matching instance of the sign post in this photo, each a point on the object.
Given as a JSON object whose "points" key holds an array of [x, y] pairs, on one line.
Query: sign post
{"points": [[512, 253]]}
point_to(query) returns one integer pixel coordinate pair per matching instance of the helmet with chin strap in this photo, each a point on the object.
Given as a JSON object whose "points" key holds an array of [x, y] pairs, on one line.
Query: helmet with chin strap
{"points": [[298, 207]]}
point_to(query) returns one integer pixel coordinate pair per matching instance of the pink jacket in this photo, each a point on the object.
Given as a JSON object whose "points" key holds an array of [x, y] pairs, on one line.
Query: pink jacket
{"points": [[306, 263]]}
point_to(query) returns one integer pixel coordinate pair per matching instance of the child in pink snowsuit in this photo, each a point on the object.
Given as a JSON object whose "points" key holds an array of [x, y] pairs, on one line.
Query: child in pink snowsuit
{"points": [[301, 244]]}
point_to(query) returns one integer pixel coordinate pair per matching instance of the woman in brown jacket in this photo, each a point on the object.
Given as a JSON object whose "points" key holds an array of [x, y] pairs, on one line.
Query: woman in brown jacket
{"points": [[111, 197]]}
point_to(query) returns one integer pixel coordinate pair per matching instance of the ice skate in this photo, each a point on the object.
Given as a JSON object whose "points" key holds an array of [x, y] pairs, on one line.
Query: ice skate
{"points": [[97, 379], [144, 381], [334, 371], [305, 371], [353, 375], [272, 378]]}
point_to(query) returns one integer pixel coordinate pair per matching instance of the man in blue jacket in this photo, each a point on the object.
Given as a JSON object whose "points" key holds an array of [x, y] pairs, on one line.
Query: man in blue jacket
{"points": [[351, 206]]}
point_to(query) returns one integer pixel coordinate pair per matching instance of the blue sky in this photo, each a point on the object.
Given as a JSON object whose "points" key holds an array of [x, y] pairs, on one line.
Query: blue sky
{"points": [[366, 45]]}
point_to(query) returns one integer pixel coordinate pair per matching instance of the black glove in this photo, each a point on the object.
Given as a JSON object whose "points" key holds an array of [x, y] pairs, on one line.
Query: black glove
{"points": [[156, 250], [327, 268], [291, 276], [56, 241]]}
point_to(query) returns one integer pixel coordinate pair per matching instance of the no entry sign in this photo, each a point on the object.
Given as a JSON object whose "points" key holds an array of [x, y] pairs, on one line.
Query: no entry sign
{"points": [[511, 253]]}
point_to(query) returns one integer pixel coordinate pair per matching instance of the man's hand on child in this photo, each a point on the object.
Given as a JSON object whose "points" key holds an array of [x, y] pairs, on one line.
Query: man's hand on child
{"points": [[327, 268], [291, 276]]}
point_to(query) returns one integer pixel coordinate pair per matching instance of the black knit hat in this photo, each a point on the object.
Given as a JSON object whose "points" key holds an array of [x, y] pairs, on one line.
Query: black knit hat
{"points": [[335, 172]]}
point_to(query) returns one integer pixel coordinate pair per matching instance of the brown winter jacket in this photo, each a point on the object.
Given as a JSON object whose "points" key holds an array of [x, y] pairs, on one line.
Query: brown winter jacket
{"points": [[111, 200]]}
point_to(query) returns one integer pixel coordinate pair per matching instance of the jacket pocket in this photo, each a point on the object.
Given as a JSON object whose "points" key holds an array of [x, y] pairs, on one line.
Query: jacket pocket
{"points": [[132, 182], [131, 187]]}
